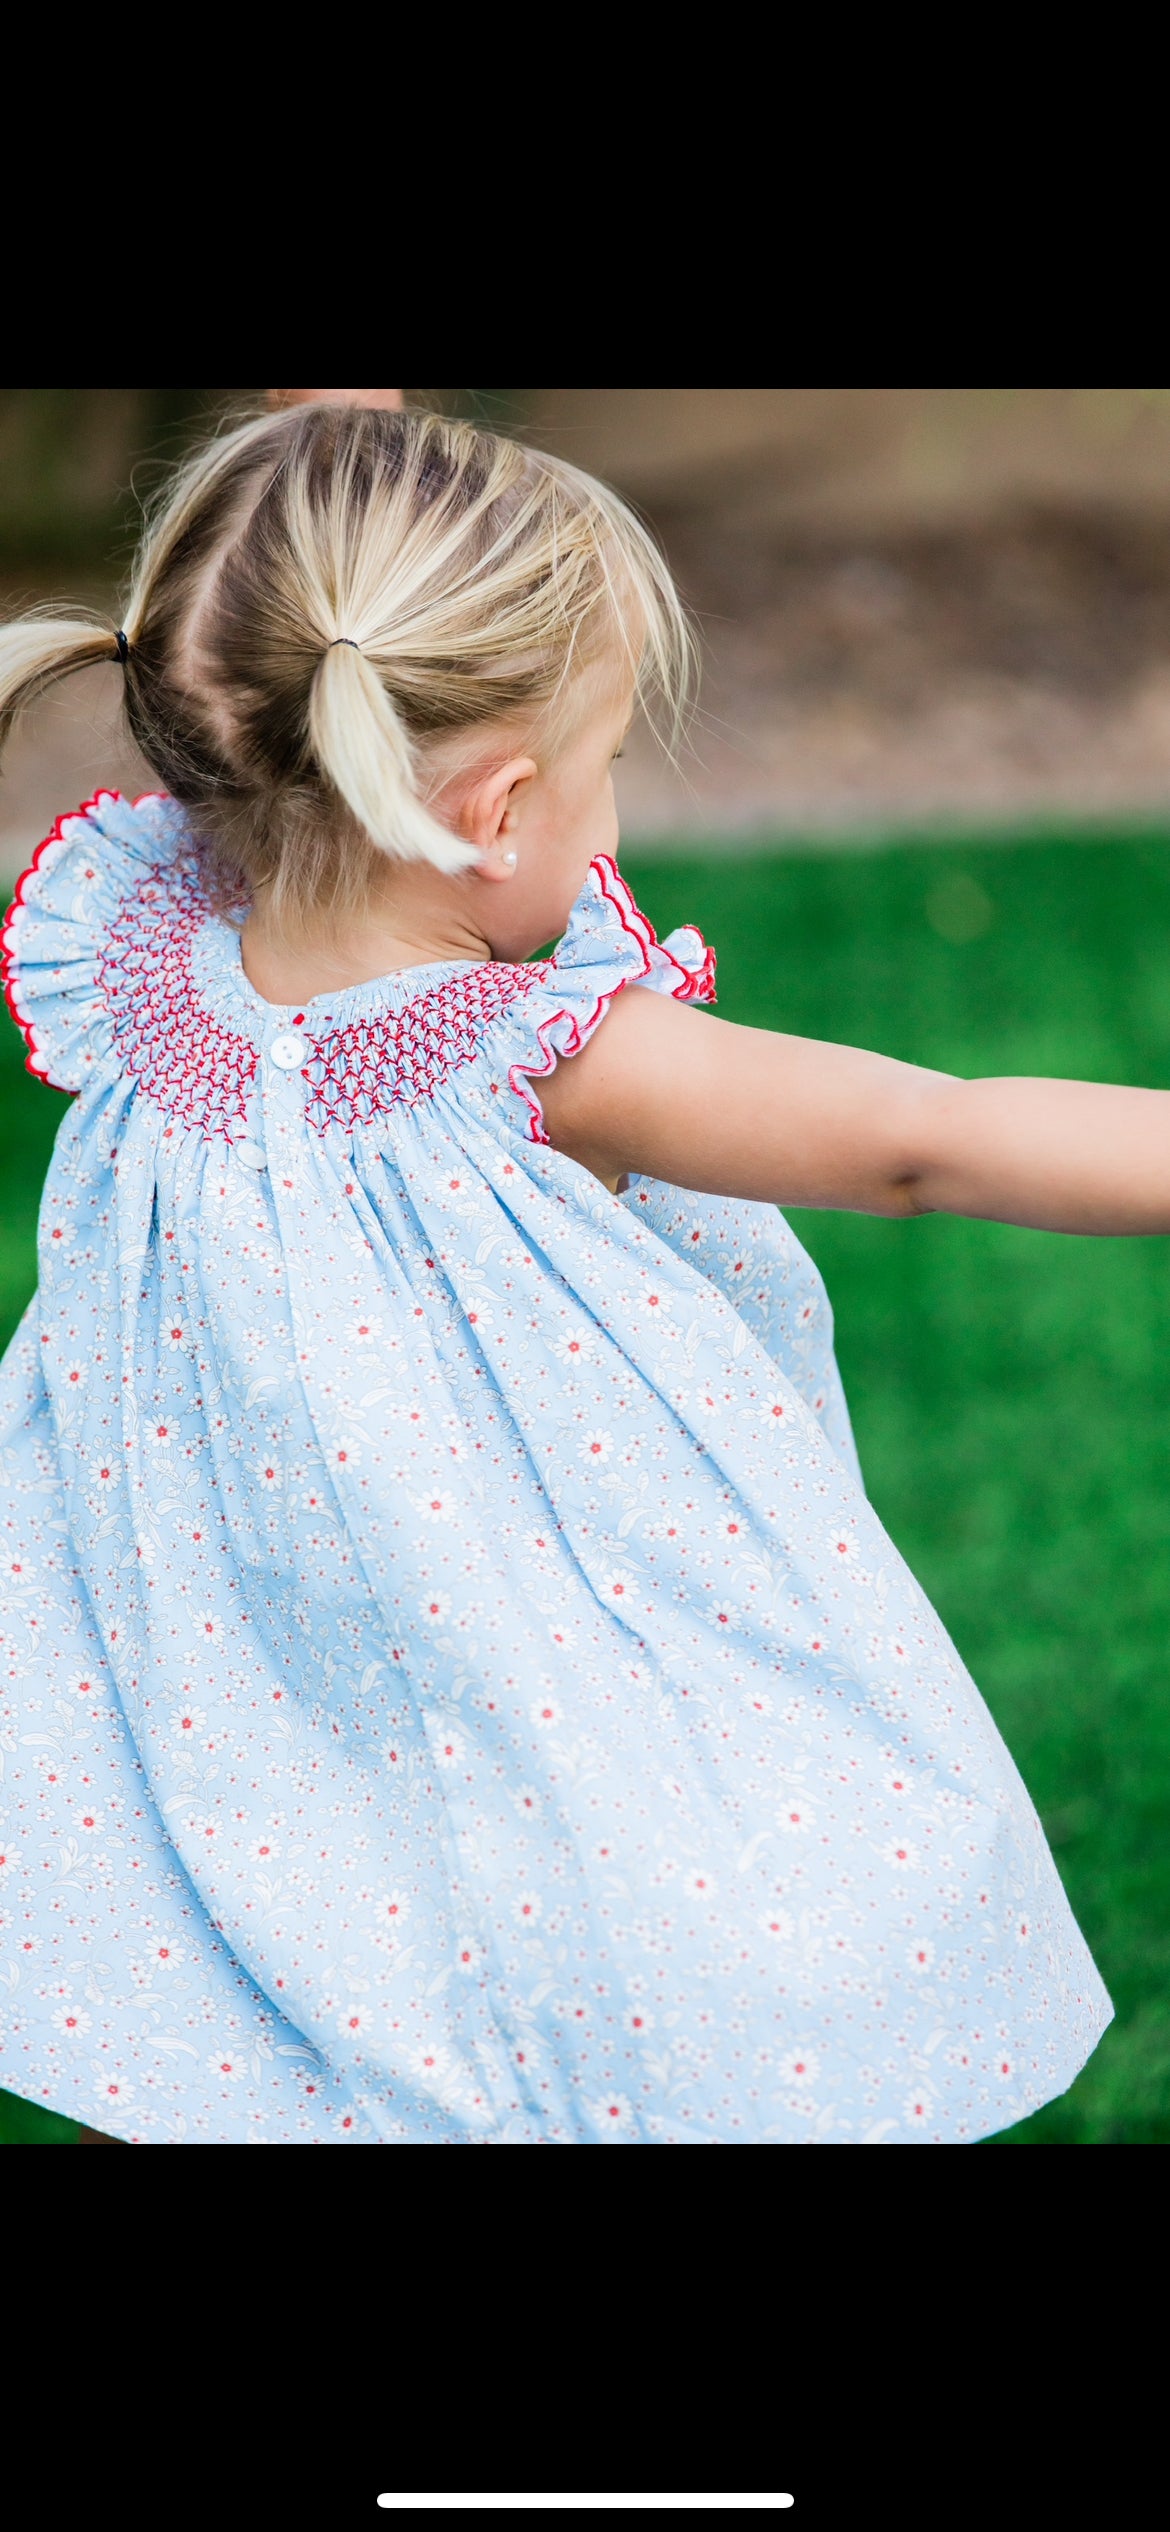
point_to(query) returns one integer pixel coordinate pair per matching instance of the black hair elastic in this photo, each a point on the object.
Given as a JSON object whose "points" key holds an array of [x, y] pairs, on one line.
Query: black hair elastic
{"points": [[123, 647], [343, 642]]}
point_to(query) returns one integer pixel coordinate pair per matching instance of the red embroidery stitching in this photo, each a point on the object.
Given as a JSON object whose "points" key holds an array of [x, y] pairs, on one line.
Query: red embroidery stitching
{"points": [[185, 1061], [403, 1056], [203, 1073]]}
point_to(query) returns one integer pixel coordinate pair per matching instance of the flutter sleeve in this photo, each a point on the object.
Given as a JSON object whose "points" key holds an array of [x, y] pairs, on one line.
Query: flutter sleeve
{"points": [[58, 930], [609, 944]]}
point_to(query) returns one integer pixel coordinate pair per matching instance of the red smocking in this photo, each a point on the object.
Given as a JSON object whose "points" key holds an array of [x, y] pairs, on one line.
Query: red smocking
{"points": [[400, 1057], [202, 1073], [189, 1065]]}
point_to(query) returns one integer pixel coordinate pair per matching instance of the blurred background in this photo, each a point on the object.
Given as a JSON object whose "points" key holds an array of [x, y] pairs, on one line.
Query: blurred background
{"points": [[923, 608], [926, 809]]}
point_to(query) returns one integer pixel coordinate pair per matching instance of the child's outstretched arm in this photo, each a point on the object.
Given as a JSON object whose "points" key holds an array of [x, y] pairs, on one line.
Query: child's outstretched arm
{"points": [[675, 1094]]}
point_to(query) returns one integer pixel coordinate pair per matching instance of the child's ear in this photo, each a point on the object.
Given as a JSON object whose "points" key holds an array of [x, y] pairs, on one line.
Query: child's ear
{"points": [[491, 813]]}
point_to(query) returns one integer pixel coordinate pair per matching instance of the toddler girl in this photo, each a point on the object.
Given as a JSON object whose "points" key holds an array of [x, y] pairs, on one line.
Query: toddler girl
{"points": [[460, 1690]]}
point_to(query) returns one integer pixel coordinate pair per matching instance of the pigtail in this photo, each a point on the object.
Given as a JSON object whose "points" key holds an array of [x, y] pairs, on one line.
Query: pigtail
{"points": [[362, 748], [38, 650]]}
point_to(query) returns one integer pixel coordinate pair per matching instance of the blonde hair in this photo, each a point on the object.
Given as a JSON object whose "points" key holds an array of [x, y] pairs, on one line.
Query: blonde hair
{"points": [[322, 596]]}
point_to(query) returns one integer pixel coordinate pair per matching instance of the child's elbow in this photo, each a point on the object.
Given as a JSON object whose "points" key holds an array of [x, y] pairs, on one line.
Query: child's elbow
{"points": [[908, 1196]]}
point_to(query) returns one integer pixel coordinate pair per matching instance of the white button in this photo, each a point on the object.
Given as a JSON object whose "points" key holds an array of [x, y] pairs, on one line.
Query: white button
{"points": [[289, 1051], [251, 1156]]}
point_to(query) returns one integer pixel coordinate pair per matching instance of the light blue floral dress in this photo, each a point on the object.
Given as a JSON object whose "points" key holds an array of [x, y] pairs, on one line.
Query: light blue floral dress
{"points": [[457, 1688]]}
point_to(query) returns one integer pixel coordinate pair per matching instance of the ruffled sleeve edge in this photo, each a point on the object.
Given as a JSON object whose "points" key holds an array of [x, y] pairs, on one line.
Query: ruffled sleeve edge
{"points": [[49, 853], [639, 958]]}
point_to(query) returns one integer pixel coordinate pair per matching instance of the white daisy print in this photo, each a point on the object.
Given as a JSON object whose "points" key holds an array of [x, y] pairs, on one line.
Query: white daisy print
{"points": [[656, 1303], [617, 1588], [595, 1446], [576, 1348], [113, 2090], [699, 1884], [799, 2066], [436, 1505], [432, 2064], [227, 2064], [71, 2021], [611, 2114]]}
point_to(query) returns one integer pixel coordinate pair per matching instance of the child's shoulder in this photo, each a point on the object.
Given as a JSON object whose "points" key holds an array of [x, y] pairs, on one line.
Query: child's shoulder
{"points": [[608, 945]]}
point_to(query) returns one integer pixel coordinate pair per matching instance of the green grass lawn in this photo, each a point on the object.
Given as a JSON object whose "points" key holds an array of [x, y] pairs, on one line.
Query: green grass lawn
{"points": [[1010, 1391]]}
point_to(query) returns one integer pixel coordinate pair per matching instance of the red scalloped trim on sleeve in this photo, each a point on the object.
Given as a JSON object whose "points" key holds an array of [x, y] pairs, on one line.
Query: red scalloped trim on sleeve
{"points": [[695, 985], [616, 893], [698, 986], [35, 1062]]}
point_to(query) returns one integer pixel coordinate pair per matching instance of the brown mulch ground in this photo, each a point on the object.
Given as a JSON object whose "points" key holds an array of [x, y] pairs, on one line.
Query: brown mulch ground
{"points": [[1018, 671]]}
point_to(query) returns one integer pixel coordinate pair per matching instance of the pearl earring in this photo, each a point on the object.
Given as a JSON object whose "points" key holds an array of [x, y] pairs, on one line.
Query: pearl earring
{"points": [[509, 860]]}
